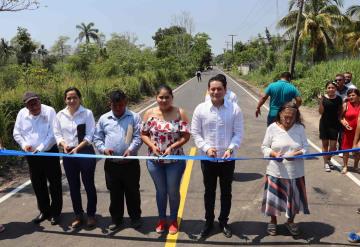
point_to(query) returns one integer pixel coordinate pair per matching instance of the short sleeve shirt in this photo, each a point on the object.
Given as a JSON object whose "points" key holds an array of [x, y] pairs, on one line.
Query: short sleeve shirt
{"points": [[280, 92]]}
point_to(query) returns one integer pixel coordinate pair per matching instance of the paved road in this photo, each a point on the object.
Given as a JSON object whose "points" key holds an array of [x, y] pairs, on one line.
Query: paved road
{"points": [[333, 199]]}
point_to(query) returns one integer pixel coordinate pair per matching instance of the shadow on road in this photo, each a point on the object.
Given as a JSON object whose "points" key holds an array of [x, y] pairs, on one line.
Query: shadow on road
{"points": [[245, 177]]}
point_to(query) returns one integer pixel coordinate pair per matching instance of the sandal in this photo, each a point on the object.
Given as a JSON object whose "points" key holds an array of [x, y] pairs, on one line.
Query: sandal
{"points": [[344, 170], [271, 229], [353, 237], [293, 228], [2, 228]]}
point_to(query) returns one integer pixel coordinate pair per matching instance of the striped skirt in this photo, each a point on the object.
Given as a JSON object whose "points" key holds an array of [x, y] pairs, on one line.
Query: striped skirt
{"points": [[284, 195]]}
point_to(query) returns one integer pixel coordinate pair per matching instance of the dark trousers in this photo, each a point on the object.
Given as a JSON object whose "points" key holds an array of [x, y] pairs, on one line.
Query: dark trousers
{"points": [[74, 167], [43, 170], [225, 172], [123, 181]]}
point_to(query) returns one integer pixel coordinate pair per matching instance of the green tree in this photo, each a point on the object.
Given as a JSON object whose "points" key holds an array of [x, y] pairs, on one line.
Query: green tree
{"points": [[6, 51], [353, 35], [317, 24], [24, 46], [88, 32], [61, 49]]}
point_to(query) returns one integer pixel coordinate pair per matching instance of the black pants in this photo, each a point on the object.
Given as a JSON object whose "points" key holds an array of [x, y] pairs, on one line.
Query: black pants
{"points": [[225, 172], [84, 168], [42, 170], [123, 180]]}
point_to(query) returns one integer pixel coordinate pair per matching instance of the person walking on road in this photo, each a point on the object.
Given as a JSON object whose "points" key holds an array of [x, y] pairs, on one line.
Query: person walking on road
{"points": [[165, 130], [74, 128], [330, 108], [118, 133], [33, 131], [349, 121], [217, 129], [280, 92], [198, 75], [285, 179]]}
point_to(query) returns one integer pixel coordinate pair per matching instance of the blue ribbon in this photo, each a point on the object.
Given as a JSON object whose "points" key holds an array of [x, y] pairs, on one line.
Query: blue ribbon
{"points": [[5, 152]]}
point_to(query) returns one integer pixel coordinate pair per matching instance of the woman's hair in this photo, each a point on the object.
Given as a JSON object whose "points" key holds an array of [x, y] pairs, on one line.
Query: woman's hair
{"points": [[77, 91], [290, 105], [353, 90], [330, 82], [164, 87]]}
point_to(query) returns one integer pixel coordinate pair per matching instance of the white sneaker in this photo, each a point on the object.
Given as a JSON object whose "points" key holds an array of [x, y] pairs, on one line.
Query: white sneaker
{"points": [[327, 167]]}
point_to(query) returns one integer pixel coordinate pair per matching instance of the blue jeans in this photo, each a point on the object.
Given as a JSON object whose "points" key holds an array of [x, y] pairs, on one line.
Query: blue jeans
{"points": [[167, 178]]}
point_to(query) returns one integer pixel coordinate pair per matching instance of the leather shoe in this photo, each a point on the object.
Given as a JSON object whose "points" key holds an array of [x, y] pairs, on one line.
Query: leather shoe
{"points": [[115, 226], [40, 218], [206, 230], [136, 223], [91, 222], [55, 220], [226, 230]]}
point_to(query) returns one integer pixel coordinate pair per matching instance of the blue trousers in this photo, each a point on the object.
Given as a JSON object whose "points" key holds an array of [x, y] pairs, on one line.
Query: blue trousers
{"points": [[167, 178], [84, 167]]}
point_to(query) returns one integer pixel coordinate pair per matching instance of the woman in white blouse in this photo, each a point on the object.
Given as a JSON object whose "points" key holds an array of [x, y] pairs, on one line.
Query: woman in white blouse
{"points": [[74, 129], [285, 182]]}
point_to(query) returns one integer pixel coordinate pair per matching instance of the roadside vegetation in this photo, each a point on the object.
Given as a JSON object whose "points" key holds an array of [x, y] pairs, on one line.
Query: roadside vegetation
{"points": [[329, 43], [95, 64]]}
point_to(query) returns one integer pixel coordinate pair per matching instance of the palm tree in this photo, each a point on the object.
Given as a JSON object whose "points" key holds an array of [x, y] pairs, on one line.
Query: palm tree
{"points": [[88, 32], [353, 34], [317, 24]]}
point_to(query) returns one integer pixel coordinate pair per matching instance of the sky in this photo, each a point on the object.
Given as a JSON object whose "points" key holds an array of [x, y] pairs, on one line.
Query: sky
{"points": [[219, 19]]}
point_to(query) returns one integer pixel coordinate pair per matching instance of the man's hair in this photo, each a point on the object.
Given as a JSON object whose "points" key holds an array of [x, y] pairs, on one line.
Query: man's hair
{"points": [[349, 73], [117, 96], [218, 77], [342, 75], [286, 75]]}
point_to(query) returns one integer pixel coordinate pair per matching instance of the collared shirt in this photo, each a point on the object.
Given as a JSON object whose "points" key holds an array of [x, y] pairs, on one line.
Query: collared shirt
{"points": [[230, 95], [217, 127], [118, 134], [65, 126], [35, 131]]}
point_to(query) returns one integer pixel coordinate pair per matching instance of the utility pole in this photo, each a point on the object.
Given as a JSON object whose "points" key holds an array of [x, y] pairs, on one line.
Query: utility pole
{"points": [[296, 38], [232, 42], [227, 45]]}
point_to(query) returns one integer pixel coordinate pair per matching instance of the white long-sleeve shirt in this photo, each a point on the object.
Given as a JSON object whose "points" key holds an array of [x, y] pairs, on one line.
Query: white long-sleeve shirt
{"points": [[35, 131], [65, 126], [280, 140], [219, 128]]}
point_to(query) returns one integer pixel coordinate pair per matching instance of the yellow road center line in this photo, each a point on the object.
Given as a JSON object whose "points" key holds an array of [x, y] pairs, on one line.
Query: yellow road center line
{"points": [[171, 239]]}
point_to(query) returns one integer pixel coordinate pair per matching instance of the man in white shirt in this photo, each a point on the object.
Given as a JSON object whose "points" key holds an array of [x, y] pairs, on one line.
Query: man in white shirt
{"points": [[348, 80], [217, 128], [33, 132], [229, 95]]}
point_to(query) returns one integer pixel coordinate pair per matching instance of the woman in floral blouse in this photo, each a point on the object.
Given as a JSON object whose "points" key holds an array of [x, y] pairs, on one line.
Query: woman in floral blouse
{"points": [[165, 130]]}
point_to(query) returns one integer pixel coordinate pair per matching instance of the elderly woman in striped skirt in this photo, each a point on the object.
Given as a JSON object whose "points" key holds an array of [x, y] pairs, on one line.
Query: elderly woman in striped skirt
{"points": [[285, 182]]}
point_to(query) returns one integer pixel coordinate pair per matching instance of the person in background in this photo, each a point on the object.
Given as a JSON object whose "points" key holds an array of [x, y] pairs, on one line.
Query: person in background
{"points": [[229, 95], [280, 92], [33, 131], [285, 189], [341, 88], [349, 121], [348, 80], [330, 108], [74, 128], [118, 133], [217, 129], [165, 130], [198, 75]]}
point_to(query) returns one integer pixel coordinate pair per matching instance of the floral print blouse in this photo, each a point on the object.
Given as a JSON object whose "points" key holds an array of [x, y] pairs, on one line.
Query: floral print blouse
{"points": [[164, 133]]}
